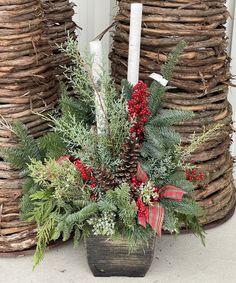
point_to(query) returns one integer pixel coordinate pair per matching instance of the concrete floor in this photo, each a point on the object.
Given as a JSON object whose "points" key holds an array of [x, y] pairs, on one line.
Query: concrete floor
{"points": [[181, 260]]}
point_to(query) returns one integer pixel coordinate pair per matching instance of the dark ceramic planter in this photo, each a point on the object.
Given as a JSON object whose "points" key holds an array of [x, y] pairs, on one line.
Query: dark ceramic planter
{"points": [[107, 257]]}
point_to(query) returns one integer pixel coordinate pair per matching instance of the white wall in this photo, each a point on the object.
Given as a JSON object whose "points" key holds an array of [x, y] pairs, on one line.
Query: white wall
{"points": [[232, 93], [230, 23], [94, 16], [233, 47]]}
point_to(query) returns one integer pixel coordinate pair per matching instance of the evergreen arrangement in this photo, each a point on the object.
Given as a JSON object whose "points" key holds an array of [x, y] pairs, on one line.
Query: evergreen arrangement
{"points": [[131, 180]]}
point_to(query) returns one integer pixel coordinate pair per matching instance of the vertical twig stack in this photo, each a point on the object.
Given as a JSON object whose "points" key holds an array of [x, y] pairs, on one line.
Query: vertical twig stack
{"points": [[58, 16], [27, 85], [200, 82]]}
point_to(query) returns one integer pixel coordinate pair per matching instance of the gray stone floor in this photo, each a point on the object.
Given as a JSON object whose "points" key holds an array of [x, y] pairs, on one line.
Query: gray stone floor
{"points": [[181, 260]]}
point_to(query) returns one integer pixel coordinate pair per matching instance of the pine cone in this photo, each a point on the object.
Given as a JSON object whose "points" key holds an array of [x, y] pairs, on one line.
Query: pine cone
{"points": [[106, 179], [124, 171], [129, 161]]}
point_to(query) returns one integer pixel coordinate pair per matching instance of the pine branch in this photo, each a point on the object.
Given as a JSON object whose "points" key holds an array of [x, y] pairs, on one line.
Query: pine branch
{"points": [[77, 108], [126, 89], [170, 117], [168, 137], [156, 98], [83, 214], [138, 237], [26, 149], [52, 145], [171, 221], [77, 236], [178, 179], [106, 206], [156, 89], [168, 68], [192, 223], [186, 207], [27, 206]]}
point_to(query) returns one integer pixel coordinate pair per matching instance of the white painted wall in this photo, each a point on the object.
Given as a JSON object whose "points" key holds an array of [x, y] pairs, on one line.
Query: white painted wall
{"points": [[232, 94], [94, 16], [230, 23]]}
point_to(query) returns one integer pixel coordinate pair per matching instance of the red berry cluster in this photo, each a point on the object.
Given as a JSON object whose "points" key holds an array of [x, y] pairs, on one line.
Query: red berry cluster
{"points": [[194, 175], [136, 183], [138, 110], [86, 172], [142, 208]]}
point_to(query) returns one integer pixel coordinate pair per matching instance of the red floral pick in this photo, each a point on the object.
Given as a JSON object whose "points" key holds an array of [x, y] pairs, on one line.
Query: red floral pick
{"points": [[86, 172], [138, 110]]}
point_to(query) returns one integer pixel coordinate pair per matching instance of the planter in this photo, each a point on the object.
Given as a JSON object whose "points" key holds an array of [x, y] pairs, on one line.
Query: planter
{"points": [[108, 257]]}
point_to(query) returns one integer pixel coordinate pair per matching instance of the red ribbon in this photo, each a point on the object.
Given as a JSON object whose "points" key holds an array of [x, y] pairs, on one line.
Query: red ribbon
{"points": [[154, 215]]}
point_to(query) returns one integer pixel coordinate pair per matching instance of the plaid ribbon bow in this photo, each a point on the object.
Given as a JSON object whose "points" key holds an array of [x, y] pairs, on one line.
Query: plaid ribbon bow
{"points": [[154, 215]]}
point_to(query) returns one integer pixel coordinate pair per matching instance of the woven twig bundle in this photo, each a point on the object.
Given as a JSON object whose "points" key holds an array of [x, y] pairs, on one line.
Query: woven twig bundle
{"points": [[27, 85], [58, 15], [30, 62], [200, 82]]}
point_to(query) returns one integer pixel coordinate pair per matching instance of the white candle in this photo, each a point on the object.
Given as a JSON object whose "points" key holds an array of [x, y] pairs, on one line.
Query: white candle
{"points": [[96, 52], [97, 69], [134, 42]]}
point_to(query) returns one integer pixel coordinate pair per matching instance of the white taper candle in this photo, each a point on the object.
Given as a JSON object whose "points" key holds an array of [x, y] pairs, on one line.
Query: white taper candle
{"points": [[97, 69], [134, 42]]}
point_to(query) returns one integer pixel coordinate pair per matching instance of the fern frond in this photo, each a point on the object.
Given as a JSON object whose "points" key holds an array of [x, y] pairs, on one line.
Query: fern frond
{"points": [[44, 235]]}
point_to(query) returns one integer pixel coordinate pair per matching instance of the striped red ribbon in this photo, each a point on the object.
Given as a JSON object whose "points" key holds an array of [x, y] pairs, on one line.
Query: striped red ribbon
{"points": [[154, 215]]}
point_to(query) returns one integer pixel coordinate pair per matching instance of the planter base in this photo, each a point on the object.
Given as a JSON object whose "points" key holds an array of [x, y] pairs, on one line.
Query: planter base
{"points": [[108, 257]]}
